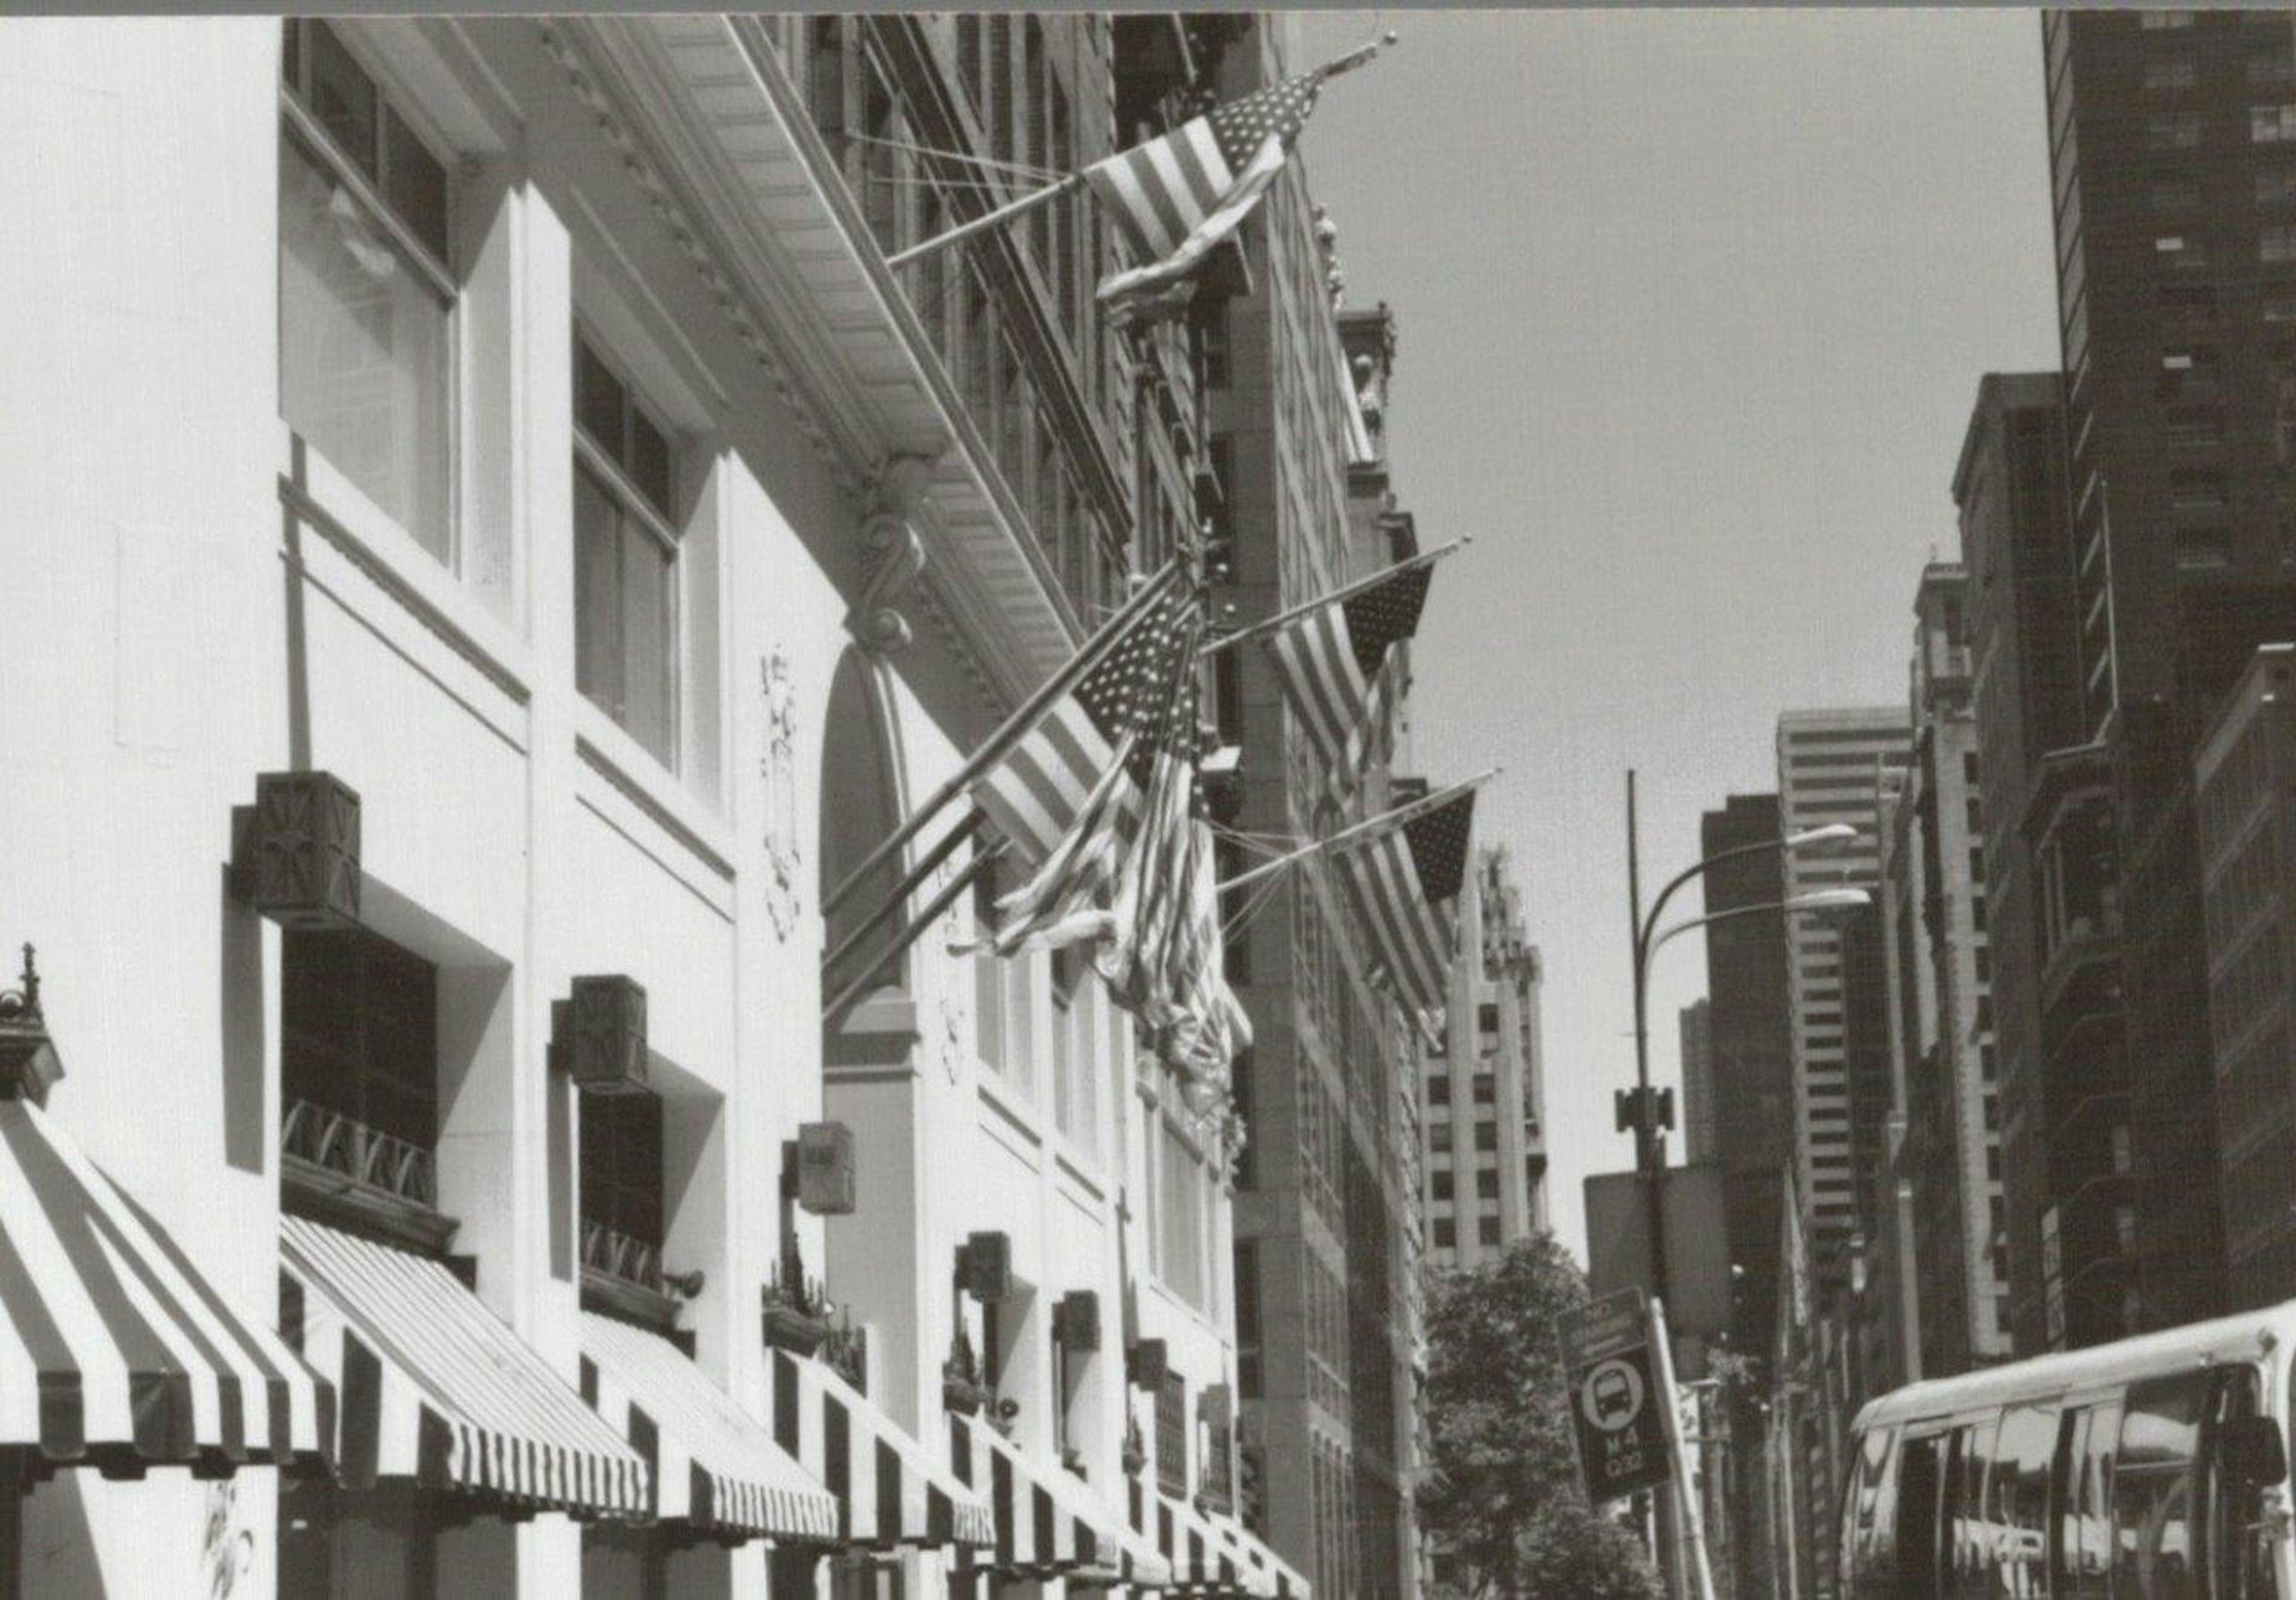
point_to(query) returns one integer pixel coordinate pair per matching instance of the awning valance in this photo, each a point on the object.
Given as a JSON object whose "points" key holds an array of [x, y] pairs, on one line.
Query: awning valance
{"points": [[1264, 1571], [115, 1349], [1202, 1560], [888, 1491], [434, 1386], [1048, 1521], [712, 1464]]}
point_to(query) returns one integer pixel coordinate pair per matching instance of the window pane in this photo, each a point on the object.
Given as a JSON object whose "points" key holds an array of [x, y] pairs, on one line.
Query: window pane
{"points": [[649, 627], [2152, 1487], [363, 350], [599, 399], [414, 184], [597, 595], [649, 462], [342, 97]]}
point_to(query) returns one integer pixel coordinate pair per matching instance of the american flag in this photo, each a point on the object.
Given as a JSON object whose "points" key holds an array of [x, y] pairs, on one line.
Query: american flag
{"points": [[1176, 197], [1137, 708], [1400, 885], [1334, 663], [1035, 795]]}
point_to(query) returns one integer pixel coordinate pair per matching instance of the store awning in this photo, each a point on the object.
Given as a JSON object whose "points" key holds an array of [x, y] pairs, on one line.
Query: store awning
{"points": [[1202, 1560], [1264, 1571], [1047, 1521], [116, 1351], [888, 1491], [710, 1464], [434, 1386]]}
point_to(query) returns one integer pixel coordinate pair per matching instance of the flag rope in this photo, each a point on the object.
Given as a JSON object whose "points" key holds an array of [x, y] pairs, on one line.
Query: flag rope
{"points": [[1043, 175]]}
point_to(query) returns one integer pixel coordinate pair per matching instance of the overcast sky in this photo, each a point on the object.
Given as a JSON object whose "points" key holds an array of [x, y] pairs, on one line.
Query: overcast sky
{"points": [[1693, 308]]}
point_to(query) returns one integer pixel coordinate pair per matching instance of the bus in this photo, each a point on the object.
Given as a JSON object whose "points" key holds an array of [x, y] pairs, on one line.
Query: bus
{"points": [[2152, 1467]]}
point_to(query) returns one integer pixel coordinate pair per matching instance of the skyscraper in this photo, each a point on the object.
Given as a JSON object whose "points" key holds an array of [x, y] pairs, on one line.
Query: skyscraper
{"points": [[2173, 163], [1698, 1136], [1485, 1168], [1830, 765], [2053, 930], [1947, 1155]]}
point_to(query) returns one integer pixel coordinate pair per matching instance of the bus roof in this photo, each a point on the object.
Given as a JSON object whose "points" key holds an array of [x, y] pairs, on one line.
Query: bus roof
{"points": [[2245, 1337]]}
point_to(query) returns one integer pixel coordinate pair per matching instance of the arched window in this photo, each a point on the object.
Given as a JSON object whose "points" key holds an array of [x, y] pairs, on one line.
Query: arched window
{"points": [[861, 803]]}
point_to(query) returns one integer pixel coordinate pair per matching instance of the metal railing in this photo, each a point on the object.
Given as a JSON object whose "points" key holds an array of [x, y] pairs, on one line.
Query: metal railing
{"points": [[339, 1143], [618, 1256]]}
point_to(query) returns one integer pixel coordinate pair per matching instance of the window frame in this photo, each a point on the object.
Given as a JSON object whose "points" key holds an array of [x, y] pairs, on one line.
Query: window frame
{"points": [[629, 499]]}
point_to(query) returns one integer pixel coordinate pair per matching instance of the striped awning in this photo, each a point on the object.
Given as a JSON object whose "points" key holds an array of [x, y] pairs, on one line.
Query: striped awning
{"points": [[116, 1351], [434, 1386], [710, 1464], [1264, 1571], [1202, 1560], [1048, 1521], [888, 1491]]}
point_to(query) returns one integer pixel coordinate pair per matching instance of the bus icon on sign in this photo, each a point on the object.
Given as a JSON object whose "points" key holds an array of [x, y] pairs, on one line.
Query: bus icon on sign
{"points": [[1611, 1397]]}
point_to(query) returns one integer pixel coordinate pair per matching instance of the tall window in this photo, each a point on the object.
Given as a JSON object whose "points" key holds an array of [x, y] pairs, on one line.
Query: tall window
{"points": [[1172, 1436], [1181, 1218], [358, 1039], [1076, 1099], [622, 1220], [625, 556], [366, 290]]}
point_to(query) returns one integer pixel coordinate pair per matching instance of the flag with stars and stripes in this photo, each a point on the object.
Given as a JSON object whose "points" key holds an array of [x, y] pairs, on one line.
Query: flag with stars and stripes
{"points": [[1177, 197], [1035, 795], [1336, 664], [1138, 706], [1401, 883]]}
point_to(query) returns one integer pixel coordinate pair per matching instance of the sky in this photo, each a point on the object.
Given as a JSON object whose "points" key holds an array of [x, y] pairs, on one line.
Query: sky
{"points": [[1692, 310]]}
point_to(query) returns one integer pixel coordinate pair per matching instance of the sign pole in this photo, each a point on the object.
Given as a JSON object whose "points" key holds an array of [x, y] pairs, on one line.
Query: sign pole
{"points": [[1690, 1519]]}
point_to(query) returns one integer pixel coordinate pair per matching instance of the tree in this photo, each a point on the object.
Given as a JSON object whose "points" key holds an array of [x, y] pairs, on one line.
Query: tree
{"points": [[1501, 1502]]}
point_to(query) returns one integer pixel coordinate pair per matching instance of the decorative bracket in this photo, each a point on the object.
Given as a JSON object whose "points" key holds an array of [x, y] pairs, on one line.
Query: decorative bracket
{"points": [[892, 556]]}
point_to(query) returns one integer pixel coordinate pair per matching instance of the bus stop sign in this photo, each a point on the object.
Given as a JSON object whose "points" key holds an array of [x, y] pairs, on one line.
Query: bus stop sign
{"points": [[1614, 1398]]}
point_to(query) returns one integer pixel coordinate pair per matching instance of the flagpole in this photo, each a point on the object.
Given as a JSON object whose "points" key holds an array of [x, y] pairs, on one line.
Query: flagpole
{"points": [[1383, 823], [990, 219], [1013, 729], [1268, 625], [908, 932]]}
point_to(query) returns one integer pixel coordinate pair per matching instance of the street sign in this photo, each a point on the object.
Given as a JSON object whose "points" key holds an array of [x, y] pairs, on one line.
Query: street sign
{"points": [[1616, 1409]]}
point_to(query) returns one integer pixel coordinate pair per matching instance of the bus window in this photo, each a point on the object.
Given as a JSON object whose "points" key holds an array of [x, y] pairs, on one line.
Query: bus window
{"points": [[1854, 1557], [2240, 1544], [1921, 1479], [2083, 1555], [1971, 1537], [2152, 1481], [2017, 1502]]}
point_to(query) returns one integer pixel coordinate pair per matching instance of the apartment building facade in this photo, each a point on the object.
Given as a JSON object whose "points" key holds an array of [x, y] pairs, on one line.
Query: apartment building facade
{"points": [[545, 548], [1831, 763]]}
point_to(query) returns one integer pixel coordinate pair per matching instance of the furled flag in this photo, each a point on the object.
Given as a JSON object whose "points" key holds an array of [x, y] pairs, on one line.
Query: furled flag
{"points": [[1045, 782], [1133, 704], [1336, 663], [1176, 197], [1399, 884]]}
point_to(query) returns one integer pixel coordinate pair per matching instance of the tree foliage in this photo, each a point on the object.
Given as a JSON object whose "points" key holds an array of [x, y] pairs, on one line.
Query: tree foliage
{"points": [[1501, 1502]]}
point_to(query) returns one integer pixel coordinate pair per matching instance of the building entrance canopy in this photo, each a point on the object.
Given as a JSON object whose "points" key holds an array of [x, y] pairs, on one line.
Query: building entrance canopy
{"points": [[115, 1351], [709, 1463], [435, 1388]]}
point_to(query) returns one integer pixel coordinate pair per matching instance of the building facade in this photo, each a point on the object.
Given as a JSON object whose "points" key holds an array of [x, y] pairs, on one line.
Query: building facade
{"points": [[2058, 1042], [1950, 1219], [1327, 1254], [1486, 1171], [2243, 770], [2169, 143], [1829, 767], [548, 549]]}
